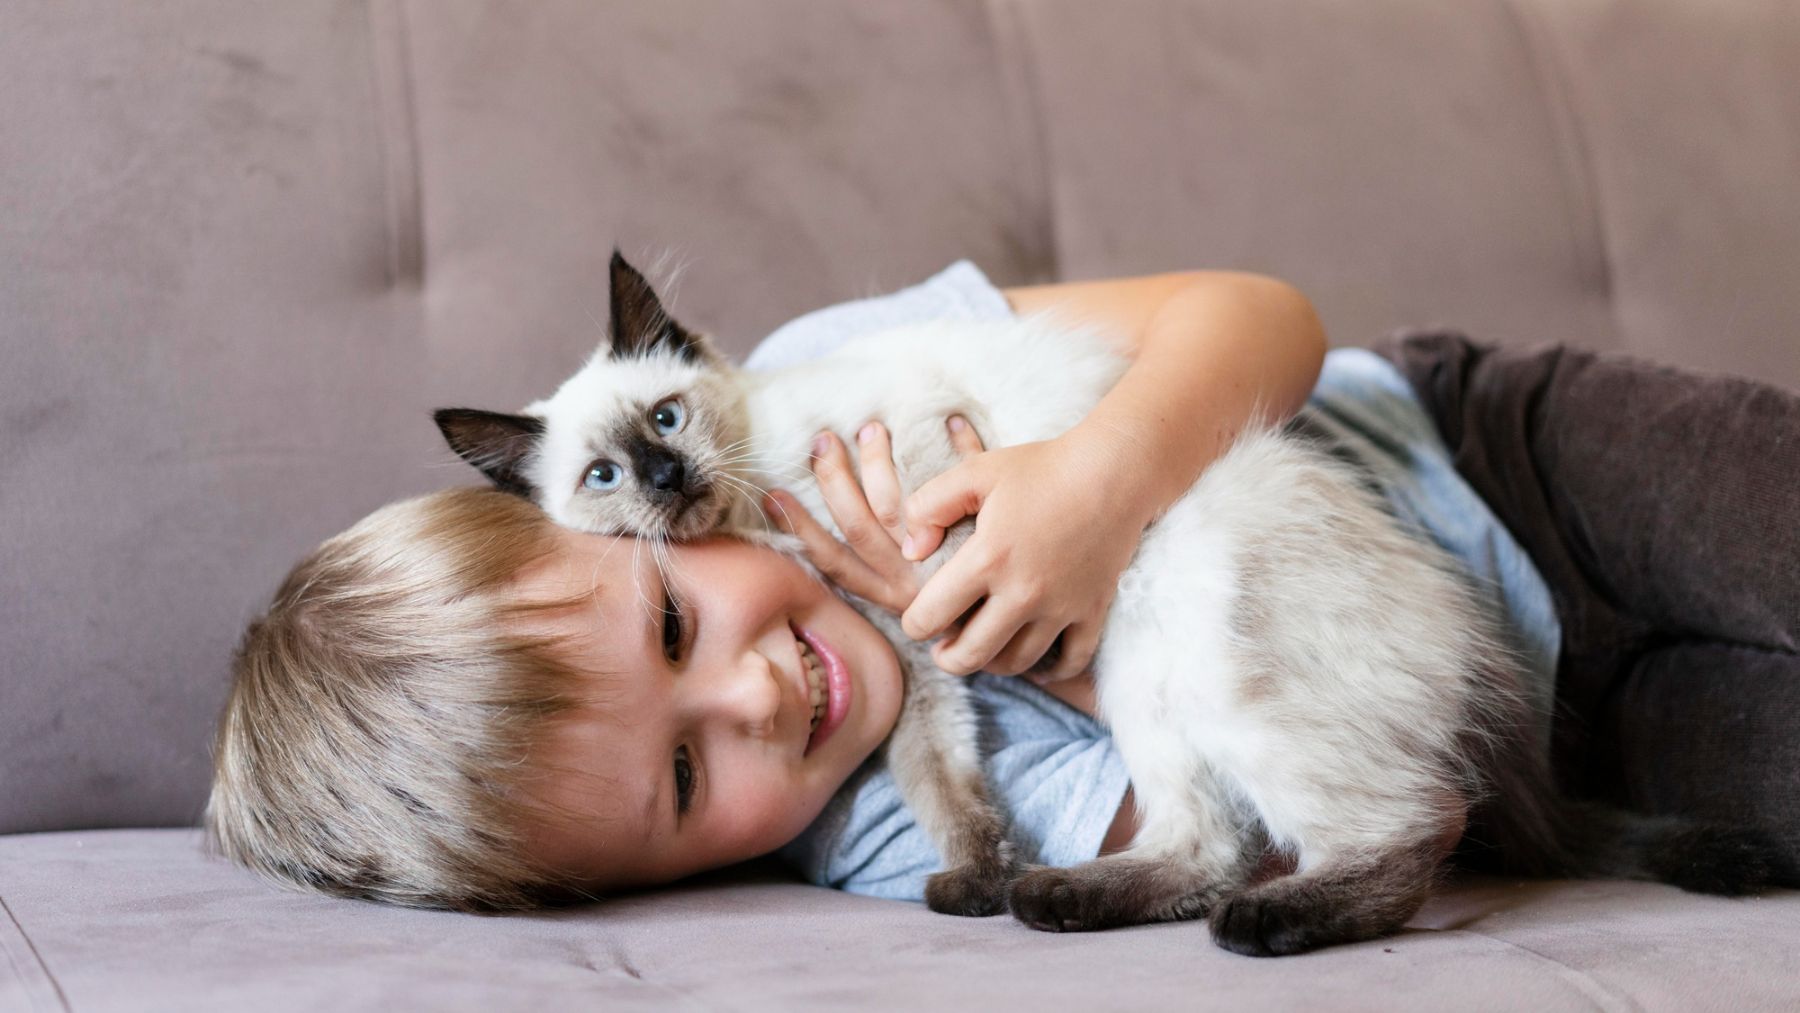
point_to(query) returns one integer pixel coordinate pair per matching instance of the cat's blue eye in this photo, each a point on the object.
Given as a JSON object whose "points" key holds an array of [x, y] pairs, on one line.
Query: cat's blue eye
{"points": [[668, 417], [603, 476]]}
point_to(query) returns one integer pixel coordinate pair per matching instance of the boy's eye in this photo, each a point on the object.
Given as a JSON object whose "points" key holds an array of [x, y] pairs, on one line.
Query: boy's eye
{"points": [[671, 631], [684, 780], [668, 416]]}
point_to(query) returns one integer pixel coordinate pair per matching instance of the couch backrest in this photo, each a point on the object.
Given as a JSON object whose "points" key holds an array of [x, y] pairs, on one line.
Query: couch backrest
{"points": [[247, 247]]}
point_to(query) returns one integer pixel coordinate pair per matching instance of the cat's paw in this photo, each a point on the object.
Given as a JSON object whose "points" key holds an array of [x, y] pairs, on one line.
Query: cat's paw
{"points": [[1046, 898], [976, 890], [1080, 899], [1263, 926]]}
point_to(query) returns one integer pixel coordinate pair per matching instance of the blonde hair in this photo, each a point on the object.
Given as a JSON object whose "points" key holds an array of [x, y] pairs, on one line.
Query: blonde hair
{"points": [[380, 713]]}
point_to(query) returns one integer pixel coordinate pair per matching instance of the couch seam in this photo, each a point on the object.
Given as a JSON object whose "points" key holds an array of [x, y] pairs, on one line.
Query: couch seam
{"points": [[1603, 996], [13, 957], [1580, 181], [397, 139], [1022, 92]]}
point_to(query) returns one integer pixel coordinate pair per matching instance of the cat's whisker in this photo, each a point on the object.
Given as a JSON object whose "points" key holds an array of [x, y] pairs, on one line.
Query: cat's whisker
{"points": [[751, 494], [767, 463], [651, 608], [735, 444], [594, 577], [750, 491]]}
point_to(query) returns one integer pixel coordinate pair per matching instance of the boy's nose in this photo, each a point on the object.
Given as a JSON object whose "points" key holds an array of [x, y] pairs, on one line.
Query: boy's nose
{"points": [[750, 695]]}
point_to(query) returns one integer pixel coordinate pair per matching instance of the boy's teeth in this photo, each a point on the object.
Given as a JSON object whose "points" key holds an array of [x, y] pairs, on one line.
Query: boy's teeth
{"points": [[815, 681]]}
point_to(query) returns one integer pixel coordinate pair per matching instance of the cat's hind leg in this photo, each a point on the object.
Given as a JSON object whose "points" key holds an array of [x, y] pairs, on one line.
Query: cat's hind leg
{"points": [[1342, 896], [1189, 852]]}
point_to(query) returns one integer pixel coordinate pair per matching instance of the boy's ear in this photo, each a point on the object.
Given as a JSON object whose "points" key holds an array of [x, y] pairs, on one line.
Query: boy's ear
{"points": [[494, 442], [640, 325]]}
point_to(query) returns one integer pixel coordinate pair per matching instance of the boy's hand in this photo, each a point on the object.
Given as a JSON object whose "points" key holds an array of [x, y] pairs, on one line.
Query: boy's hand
{"points": [[1056, 523], [868, 562]]}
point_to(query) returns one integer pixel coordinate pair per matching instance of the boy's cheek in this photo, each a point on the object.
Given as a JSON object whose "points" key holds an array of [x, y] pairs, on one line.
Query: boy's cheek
{"points": [[754, 820]]}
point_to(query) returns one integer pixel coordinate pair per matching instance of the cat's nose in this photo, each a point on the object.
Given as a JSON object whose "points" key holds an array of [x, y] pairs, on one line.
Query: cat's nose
{"points": [[666, 473]]}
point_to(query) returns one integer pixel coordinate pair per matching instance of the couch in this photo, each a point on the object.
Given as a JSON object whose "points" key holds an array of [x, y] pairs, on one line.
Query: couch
{"points": [[247, 246]]}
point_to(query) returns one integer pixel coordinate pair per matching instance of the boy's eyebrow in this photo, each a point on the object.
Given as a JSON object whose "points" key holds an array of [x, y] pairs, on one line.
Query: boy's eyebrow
{"points": [[652, 805]]}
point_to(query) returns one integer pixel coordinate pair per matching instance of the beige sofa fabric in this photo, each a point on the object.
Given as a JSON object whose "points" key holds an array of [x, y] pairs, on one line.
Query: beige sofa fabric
{"points": [[131, 920]]}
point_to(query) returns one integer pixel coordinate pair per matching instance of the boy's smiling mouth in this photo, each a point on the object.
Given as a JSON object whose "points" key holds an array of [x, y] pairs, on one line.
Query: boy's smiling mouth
{"points": [[827, 684]]}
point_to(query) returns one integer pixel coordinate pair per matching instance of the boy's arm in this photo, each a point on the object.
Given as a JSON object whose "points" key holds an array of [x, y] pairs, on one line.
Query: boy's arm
{"points": [[1249, 343], [1212, 352]]}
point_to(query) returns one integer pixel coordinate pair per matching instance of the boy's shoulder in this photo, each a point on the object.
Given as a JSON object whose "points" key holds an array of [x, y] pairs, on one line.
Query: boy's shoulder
{"points": [[958, 292]]}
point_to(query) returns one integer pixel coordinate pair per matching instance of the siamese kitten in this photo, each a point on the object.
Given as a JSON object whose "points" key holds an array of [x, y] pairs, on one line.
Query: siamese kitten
{"points": [[1284, 669]]}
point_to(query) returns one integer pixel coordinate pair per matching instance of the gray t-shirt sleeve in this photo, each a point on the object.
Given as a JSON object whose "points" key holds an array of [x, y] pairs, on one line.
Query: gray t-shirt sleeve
{"points": [[958, 292]]}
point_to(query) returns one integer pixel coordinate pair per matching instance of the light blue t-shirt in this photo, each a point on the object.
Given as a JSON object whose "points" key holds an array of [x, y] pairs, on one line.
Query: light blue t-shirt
{"points": [[1053, 768]]}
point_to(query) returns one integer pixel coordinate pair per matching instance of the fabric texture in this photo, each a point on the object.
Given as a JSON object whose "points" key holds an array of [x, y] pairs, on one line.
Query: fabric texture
{"points": [[1663, 509], [1054, 770], [143, 920]]}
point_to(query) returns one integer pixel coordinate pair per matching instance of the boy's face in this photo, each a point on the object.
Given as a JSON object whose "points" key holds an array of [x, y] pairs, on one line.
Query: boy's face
{"points": [[708, 708]]}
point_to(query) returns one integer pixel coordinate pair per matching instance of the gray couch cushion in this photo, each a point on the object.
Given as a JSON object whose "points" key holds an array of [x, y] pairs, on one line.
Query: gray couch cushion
{"points": [[133, 920]]}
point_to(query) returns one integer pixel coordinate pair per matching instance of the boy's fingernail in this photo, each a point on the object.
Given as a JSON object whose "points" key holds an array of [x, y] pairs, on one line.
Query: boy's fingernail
{"points": [[866, 433], [957, 424], [906, 547], [820, 442]]}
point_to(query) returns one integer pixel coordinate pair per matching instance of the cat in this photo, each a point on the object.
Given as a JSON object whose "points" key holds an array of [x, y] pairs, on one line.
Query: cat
{"points": [[1285, 668]]}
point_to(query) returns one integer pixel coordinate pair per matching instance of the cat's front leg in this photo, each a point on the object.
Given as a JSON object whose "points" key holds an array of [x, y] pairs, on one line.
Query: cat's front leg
{"points": [[1116, 890], [937, 768]]}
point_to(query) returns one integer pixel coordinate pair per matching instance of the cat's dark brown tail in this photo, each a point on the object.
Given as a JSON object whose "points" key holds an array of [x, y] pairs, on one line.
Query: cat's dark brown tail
{"points": [[1526, 826]]}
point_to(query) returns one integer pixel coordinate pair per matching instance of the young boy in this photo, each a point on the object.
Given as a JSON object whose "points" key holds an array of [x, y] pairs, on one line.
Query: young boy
{"points": [[458, 703]]}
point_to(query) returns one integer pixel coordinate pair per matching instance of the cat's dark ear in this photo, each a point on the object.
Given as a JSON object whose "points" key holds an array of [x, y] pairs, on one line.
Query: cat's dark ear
{"points": [[639, 323], [494, 442]]}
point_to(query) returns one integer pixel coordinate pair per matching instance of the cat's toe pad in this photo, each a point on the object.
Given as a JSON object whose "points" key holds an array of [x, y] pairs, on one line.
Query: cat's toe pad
{"points": [[1261, 927], [1054, 900]]}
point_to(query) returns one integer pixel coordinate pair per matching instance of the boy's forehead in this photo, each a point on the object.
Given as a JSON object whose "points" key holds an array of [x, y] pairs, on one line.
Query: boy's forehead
{"points": [[599, 578]]}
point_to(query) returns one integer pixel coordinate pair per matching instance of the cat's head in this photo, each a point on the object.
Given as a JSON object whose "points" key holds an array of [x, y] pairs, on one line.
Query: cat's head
{"points": [[637, 442]]}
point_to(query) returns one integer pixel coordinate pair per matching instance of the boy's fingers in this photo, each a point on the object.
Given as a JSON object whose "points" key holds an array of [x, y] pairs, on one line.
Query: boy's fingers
{"points": [[1024, 650], [939, 503], [982, 636], [1078, 645], [880, 482], [962, 436], [827, 553], [945, 597], [845, 499]]}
